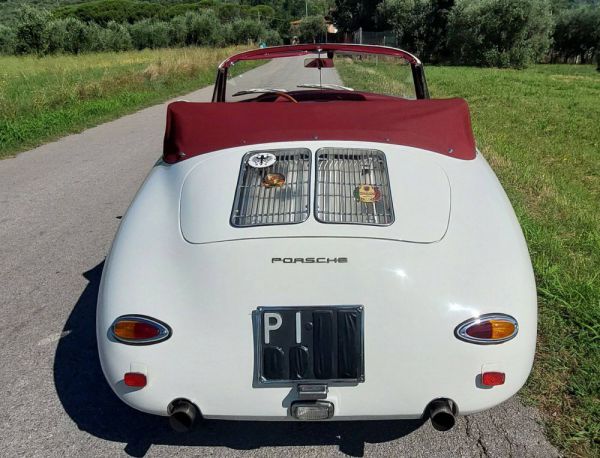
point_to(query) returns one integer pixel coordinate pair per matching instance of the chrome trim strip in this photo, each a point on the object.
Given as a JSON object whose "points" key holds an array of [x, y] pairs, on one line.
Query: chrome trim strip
{"points": [[460, 332], [164, 334], [312, 392]]}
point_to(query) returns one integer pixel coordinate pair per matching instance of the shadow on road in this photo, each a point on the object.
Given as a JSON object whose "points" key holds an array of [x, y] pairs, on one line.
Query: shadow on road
{"points": [[93, 406]]}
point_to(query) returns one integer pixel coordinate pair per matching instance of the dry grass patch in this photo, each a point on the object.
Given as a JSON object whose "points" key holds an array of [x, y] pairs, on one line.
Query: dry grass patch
{"points": [[44, 98]]}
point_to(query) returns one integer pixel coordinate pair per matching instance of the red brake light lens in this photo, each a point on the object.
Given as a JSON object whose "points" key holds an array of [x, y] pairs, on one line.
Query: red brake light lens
{"points": [[493, 378], [491, 328], [135, 379], [135, 329]]}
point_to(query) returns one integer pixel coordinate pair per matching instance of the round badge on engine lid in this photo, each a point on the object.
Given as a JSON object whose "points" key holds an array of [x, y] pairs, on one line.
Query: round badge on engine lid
{"points": [[367, 193], [261, 160]]}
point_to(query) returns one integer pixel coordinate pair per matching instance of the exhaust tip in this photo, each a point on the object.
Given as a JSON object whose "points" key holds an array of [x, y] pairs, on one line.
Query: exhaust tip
{"points": [[442, 413], [182, 415]]}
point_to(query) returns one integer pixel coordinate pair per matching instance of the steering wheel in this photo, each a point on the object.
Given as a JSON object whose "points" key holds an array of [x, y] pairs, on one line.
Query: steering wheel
{"points": [[285, 95]]}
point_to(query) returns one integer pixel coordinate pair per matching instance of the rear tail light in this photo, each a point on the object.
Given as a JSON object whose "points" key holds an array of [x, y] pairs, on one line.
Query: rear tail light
{"points": [[135, 379], [139, 330], [493, 328], [493, 378]]}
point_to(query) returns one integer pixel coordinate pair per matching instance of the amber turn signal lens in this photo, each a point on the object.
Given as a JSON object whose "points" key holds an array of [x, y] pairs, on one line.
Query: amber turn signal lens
{"points": [[139, 330], [492, 329], [488, 329], [135, 330]]}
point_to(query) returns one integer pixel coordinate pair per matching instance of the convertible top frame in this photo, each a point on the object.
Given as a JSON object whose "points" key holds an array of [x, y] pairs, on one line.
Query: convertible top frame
{"points": [[274, 52]]}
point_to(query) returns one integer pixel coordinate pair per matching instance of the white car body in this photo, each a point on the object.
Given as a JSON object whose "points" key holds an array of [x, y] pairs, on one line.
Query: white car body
{"points": [[414, 293], [454, 252]]}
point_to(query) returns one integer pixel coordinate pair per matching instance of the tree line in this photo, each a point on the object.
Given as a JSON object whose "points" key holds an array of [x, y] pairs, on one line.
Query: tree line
{"points": [[503, 33], [39, 31], [116, 25]]}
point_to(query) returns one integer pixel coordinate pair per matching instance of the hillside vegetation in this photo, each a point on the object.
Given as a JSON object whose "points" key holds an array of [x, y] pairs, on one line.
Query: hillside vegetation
{"points": [[10, 8]]}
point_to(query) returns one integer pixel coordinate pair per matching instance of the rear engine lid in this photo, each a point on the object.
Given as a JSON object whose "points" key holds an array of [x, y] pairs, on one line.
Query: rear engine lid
{"points": [[354, 192]]}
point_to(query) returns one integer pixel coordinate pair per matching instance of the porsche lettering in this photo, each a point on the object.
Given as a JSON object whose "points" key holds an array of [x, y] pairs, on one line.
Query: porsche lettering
{"points": [[321, 260]]}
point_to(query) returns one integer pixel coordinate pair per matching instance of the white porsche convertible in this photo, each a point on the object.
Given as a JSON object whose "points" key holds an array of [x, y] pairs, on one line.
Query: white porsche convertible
{"points": [[306, 251]]}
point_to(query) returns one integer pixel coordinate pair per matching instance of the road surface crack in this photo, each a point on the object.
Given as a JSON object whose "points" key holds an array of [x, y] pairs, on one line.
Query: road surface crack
{"points": [[504, 431], [478, 437]]}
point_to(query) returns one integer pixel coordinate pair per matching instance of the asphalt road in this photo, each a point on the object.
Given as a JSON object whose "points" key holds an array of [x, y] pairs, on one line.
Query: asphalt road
{"points": [[279, 74], [60, 206]]}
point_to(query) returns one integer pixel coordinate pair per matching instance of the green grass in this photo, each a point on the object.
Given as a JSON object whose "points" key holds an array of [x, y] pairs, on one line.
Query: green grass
{"points": [[44, 98], [540, 130]]}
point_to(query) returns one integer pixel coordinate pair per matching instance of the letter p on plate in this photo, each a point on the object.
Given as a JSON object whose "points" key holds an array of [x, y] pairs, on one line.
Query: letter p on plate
{"points": [[269, 325]]}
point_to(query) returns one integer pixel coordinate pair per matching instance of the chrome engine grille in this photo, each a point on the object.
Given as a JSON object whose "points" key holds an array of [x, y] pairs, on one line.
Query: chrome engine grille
{"points": [[353, 187], [258, 205]]}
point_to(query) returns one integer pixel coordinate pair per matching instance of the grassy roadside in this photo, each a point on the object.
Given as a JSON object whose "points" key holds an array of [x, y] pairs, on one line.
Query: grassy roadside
{"points": [[44, 98], [540, 130]]}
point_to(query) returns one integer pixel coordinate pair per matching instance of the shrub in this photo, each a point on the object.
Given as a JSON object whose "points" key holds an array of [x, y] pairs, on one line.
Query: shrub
{"points": [[202, 28], [503, 33], [68, 35], [577, 34], [116, 37], [245, 30], [113, 37], [29, 32], [7, 40], [55, 36], [94, 38], [149, 33], [227, 34], [271, 37], [178, 31]]}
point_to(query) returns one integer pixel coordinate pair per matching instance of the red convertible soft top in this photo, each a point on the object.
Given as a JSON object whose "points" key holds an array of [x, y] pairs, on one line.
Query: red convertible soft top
{"points": [[441, 126]]}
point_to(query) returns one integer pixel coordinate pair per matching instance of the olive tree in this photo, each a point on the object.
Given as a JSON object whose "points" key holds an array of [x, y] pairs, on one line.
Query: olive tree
{"points": [[149, 33], [68, 35], [202, 28], [576, 35], [7, 39], [502, 33], [312, 28], [30, 30]]}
